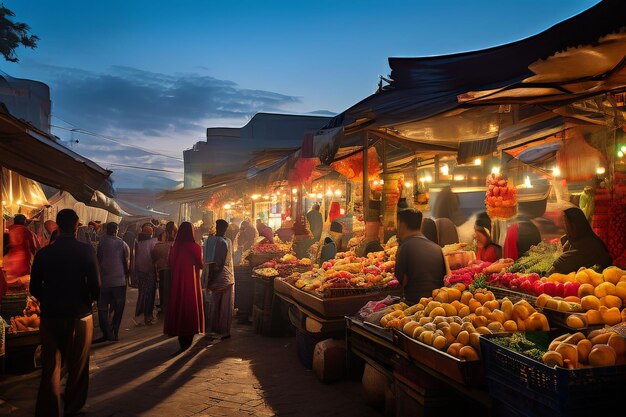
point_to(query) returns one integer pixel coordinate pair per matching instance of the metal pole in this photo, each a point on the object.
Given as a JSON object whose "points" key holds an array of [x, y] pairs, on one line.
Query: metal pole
{"points": [[366, 185], [383, 202]]}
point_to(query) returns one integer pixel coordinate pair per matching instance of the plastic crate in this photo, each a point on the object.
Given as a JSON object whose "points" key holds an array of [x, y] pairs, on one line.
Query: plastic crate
{"points": [[534, 389]]}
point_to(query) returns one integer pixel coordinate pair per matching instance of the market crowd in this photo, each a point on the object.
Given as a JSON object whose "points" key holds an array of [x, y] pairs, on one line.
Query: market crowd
{"points": [[75, 268]]}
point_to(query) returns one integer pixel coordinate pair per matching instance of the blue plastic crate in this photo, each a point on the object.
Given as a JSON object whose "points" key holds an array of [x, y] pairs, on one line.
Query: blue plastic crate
{"points": [[535, 389]]}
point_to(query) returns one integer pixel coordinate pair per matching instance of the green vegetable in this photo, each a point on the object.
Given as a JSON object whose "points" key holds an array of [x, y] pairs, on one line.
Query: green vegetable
{"points": [[479, 282], [518, 343], [539, 259]]}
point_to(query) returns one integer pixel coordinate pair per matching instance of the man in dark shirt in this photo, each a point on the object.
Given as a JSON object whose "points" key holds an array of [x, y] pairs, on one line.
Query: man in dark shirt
{"points": [[114, 262], [420, 266], [65, 280], [316, 222]]}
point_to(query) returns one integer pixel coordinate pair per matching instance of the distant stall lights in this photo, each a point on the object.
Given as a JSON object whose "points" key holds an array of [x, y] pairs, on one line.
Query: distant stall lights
{"points": [[227, 206], [255, 196], [338, 193], [495, 170], [319, 195], [294, 191], [445, 170], [600, 171], [408, 184], [477, 161], [459, 178], [556, 172]]}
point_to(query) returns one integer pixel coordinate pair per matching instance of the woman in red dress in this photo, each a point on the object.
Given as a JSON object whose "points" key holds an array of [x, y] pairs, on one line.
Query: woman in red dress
{"points": [[185, 313]]}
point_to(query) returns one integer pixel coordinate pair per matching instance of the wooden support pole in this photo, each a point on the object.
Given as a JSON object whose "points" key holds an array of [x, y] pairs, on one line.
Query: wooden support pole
{"points": [[1, 214], [366, 184], [436, 173]]}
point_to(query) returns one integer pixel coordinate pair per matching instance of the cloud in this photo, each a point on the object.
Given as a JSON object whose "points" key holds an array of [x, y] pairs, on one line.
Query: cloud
{"points": [[131, 100]]}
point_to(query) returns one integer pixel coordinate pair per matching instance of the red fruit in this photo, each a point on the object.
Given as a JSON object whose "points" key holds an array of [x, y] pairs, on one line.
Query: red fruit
{"points": [[570, 289], [549, 288], [538, 287], [502, 183], [533, 277], [527, 287], [496, 191], [558, 289]]}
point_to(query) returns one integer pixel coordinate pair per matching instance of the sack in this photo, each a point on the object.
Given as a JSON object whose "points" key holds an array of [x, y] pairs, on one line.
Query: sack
{"points": [[208, 274]]}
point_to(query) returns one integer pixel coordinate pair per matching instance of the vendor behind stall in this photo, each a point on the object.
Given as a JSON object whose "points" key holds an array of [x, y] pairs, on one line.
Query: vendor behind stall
{"points": [[583, 247], [371, 241], [486, 249], [520, 236], [420, 265]]}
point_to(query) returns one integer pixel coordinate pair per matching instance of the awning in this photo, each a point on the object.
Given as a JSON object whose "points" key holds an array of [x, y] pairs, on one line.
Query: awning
{"points": [[19, 191], [435, 99], [36, 155]]}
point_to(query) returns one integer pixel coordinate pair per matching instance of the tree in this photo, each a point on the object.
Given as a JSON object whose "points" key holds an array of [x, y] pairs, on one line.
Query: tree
{"points": [[13, 35]]}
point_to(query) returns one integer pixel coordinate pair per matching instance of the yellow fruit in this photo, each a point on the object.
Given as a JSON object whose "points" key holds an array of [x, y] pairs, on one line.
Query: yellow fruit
{"points": [[541, 300], [556, 277], [604, 289], [521, 312], [442, 296], [624, 315], [483, 330], [575, 322], [463, 337], [620, 290], [466, 296], [418, 332], [537, 322], [497, 315], [596, 278], [482, 311], [618, 343], [464, 311], [492, 304], [584, 347], [602, 355], [439, 342], [612, 274], [552, 304], [474, 304], [455, 329], [611, 301], [601, 339], [468, 353], [449, 309], [437, 311], [582, 277], [454, 349], [585, 289], [481, 297], [427, 337], [495, 327], [457, 304], [593, 317], [507, 308], [569, 353], [510, 326], [480, 321], [552, 359], [410, 327], [610, 316], [454, 294], [590, 302], [474, 341]]}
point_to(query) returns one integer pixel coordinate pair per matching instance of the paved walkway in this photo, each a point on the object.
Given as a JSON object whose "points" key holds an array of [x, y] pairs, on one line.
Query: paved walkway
{"points": [[245, 375]]}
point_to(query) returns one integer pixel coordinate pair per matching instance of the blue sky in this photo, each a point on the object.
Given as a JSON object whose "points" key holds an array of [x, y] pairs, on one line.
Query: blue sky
{"points": [[156, 73]]}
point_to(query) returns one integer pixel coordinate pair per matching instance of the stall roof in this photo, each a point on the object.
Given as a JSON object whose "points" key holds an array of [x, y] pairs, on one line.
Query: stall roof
{"points": [[37, 155], [433, 99]]}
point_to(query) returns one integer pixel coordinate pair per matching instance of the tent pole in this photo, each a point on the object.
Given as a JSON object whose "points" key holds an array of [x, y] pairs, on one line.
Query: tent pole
{"points": [[366, 185]]}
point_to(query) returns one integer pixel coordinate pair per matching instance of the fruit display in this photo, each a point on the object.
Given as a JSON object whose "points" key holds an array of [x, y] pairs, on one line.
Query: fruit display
{"points": [[270, 248], [347, 271], [539, 259], [454, 318], [598, 348], [29, 321], [283, 267], [501, 199]]}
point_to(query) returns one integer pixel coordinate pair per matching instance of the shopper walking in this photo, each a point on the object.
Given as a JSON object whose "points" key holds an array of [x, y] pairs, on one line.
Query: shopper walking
{"points": [[160, 257], [114, 262], [316, 221], [65, 280], [222, 283], [143, 269], [185, 312]]}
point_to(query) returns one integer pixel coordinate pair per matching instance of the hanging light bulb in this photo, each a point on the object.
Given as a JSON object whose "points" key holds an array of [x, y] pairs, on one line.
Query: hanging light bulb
{"points": [[227, 206], [338, 192], [600, 171], [556, 172], [428, 178], [255, 196], [477, 161], [329, 193], [445, 169], [408, 184], [375, 182], [320, 195], [495, 170], [294, 191], [527, 182]]}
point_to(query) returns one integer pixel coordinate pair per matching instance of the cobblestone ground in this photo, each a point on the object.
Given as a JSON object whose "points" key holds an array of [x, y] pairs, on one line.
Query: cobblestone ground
{"points": [[245, 375]]}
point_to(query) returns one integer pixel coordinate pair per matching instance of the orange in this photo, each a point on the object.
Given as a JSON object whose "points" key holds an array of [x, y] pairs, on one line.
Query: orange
{"points": [[602, 355], [590, 302], [593, 317], [575, 322], [492, 304], [510, 326], [612, 274], [437, 311], [481, 297], [585, 289], [604, 289], [541, 300], [610, 316], [454, 294], [474, 304], [620, 290], [572, 299], [584, 347], [581, 277], [449, 309], [618, 343], [466, 297], [611, 301], [464, 311]]}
